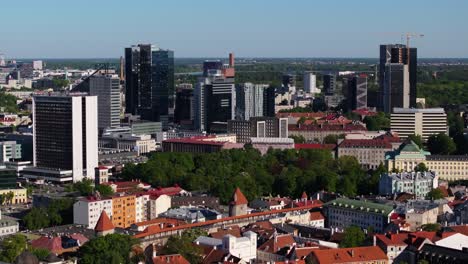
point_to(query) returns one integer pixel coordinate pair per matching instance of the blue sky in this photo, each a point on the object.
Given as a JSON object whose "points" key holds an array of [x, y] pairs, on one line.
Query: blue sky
{"points": [[250, 28]]}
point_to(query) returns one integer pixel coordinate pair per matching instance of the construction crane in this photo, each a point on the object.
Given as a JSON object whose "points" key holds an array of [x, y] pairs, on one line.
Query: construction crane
{"points": [[408, 37]]}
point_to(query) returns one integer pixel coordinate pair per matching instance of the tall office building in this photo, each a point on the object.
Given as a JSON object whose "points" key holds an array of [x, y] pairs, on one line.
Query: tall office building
{"points": [[357, 92], [215, 96], [260, 127], [184, 106], [329, 84], [107, 90], [269, 102], [65, 138], [149, 82], [397, 77], [250, 100]]}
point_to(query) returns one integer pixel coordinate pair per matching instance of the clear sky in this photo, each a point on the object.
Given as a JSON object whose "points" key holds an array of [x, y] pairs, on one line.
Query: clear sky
{"points": [[250, 28]]}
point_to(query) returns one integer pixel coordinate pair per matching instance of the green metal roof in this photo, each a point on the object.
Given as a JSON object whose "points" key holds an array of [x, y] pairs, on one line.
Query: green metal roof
{"points": [[361, 205]]}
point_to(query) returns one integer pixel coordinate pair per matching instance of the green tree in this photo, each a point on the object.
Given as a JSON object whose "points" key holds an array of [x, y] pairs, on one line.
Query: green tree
{"points": [[85, 187], [456, 124], [37, 218], [417, 139], [40, 253], [2, 199], [104, 190], [12, 246], [332, 139], [112, 248], [435, 194], [184, 245], [353, 237], [8, 103], [378, 122], [421, 167], [440, 144]]}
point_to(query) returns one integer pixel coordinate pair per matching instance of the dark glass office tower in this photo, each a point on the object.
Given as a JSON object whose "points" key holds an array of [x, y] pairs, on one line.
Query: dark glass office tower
{"points": [[162, 84], [211, 65], [329, 84], [149, 82], [269, 102], [221, 104], [184, 114], [393, 59], [357, 93]]}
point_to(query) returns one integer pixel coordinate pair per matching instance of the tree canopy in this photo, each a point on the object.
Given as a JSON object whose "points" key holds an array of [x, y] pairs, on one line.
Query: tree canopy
{"points": [[12, 246], [378, 122], [440, 144], [109, 249], [184, 245], [353, 237], [283, 172]]}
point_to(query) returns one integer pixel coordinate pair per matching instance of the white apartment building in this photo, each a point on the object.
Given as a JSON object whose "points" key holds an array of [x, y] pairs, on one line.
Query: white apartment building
{"points": [[423, 122], [87, 211], [158, 205], [310, 83], [141, 207]]}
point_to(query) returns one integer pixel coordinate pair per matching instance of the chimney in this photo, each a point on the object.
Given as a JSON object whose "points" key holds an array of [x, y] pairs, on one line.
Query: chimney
{"points": [[231, 59]]}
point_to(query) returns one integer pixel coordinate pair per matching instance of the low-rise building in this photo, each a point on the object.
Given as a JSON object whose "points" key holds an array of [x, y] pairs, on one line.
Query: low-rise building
{"points": [[140, 143], [192, 214], [343, 212], [318, 132], [19, 195], [417, 183], [86, 211], [424, 122], [158, 205], [244, 247], [369, 152], [8, 226], [201, 144]]}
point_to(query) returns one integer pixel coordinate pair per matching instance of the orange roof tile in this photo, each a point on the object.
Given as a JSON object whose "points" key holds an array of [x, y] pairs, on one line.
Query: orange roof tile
{"points": [[104, 223], [172, 259], [238, 198], [462, 229], [304, 195], [316, 216], [278, 242], [348, 255]]}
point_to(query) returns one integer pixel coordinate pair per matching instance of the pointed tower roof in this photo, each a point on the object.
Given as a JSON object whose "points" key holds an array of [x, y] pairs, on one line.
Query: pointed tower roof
{"points": [[238, 198], [304, 195], [104, 223]]}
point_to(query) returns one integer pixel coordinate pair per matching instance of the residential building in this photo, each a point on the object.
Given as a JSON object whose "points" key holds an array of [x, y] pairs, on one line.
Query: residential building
{"points": [[192, 214], [442, 255], [149, 82], [65, 145], [142, 207], [343, 212], [356, 97], [417, 183], [8, 226], [158, 205], [123, 210], [249, 99], [397, 77], [369, 152], [419, 214], [329, 84], [273, 250], [107, 90], [9, 150], [259, 127], [368, 255], [409, 155], [317, 132], [423, 122], [317, 219], [87, 211]]}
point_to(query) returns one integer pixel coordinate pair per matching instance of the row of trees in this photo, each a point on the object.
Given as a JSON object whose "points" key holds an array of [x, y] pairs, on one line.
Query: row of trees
{"points": [[58, 212], [286, 173], [7, 198]]}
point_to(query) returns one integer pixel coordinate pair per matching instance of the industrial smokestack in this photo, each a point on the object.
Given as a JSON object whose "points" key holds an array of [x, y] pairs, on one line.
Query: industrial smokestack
{"points": [[231, 59]]}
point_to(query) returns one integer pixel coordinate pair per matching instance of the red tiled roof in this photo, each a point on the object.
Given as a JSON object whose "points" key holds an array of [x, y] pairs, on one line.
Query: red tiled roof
{"points": [[348, 255], [232, 230], [238, 198], [365, 143], [314, 146], [299, 115], [174, 190], [444, 190], [462, 229], [327, 127], [195, 140], [53, 244], [393, 239], [278, 242], [104, 223], [304, 195], [160, 220], [149, 232], [80, 238], [316, 216], [170, 259]]}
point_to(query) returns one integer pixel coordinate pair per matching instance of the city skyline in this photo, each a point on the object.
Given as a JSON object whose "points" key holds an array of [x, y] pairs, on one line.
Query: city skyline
{"points": [[311, 29]]}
